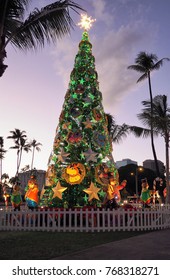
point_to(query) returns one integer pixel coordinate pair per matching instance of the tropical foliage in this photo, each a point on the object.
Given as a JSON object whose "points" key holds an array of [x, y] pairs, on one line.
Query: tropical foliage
{"points": [[161, 124], [145, 64], [28, 32], [21, 144], [35, 146], [119, 132], [2, 154]]}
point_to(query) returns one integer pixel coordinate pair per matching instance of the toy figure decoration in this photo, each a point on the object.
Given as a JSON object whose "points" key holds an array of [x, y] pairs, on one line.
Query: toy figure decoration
{"points": [[6, 194], [117, 189], [16, 198], [146, 193], [32, 191]]}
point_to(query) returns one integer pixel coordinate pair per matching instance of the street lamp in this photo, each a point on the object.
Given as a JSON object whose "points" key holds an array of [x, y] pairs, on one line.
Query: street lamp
{"points": [[137, 171]]}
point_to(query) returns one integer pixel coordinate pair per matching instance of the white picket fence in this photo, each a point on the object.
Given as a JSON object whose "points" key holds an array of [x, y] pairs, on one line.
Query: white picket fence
{"points": [[88, 220]]}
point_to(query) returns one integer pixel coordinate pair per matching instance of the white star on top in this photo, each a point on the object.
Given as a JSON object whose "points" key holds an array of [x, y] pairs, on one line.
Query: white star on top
{"points": [[86, 22]]}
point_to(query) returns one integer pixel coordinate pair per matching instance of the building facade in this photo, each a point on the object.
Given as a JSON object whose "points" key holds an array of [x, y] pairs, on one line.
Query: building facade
{"points": [[125, 162], [149, 163]]}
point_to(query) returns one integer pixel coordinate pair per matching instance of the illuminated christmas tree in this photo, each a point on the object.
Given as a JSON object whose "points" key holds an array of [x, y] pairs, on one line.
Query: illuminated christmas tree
{"points": [[81, 163]]}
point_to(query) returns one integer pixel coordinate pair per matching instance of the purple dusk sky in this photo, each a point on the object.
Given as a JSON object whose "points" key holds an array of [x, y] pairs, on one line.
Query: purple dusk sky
{"points": [[33, 87]]}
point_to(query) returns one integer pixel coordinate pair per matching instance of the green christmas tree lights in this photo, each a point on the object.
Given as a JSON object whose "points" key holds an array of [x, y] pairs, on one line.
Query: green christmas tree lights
{"points": [[81, 164]]}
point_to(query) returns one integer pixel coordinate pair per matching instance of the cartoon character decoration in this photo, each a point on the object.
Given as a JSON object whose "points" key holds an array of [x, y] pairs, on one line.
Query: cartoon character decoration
{"points": [[6, 194], [158, 188], [74, 173], [117, 190], [145, 193], [113, 196], [109, 200], [32, 191], [16, 198]]}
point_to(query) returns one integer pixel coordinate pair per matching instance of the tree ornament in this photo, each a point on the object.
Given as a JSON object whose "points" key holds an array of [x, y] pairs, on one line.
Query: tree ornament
{"points": [[75, 112], [57, 141], [97, 115], [88, 123], [100, 139], [50, 176], [66, 125], [74, 137], [79, 89], [86, 22], [90, 155], [58, 190], [74, 173], [103, 174], [62, 156], [92, 191]]}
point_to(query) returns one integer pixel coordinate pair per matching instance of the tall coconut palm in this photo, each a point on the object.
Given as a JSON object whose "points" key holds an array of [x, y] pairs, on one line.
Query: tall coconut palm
{"points": [[145, 64], [35, 146], [2, 154], [161, 123], [20, 140], [48, 24]]}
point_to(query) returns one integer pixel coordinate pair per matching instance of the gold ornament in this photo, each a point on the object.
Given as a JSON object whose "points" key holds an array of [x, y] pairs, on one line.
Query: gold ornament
{"points": [[58, 190], [92, 192], [74, 173]]}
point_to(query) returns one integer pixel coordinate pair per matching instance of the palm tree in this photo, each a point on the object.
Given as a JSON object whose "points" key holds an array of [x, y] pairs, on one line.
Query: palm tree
{"points": [[35, 146], [20, 140], [118, 132], [145, 64], [161, 123], [48, 24], [2, 153]]}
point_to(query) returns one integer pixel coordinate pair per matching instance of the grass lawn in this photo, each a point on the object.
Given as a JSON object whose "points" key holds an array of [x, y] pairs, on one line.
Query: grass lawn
{"points": [[48, 245]]}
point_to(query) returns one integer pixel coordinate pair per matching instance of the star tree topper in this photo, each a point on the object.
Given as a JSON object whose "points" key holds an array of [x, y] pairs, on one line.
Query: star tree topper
{"points": [[86, 22]]}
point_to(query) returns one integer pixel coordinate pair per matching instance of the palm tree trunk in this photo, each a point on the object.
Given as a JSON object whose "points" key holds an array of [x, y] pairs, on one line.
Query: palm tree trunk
{"points": [[167, 168], [152, 137], [19, 161], [0, 169], [32, 158], [18, 156]]}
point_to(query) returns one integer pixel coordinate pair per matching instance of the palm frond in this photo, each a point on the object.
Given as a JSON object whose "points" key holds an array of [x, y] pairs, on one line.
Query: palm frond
{"points": [[143, 77], [161, 115], [138, 68], [119, 132], [157, 65], [49, 23]]}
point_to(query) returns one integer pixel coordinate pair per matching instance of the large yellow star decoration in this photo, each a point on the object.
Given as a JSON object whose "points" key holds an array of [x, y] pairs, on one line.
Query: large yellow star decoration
{"points": [[92, 192], [58, 190]]}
